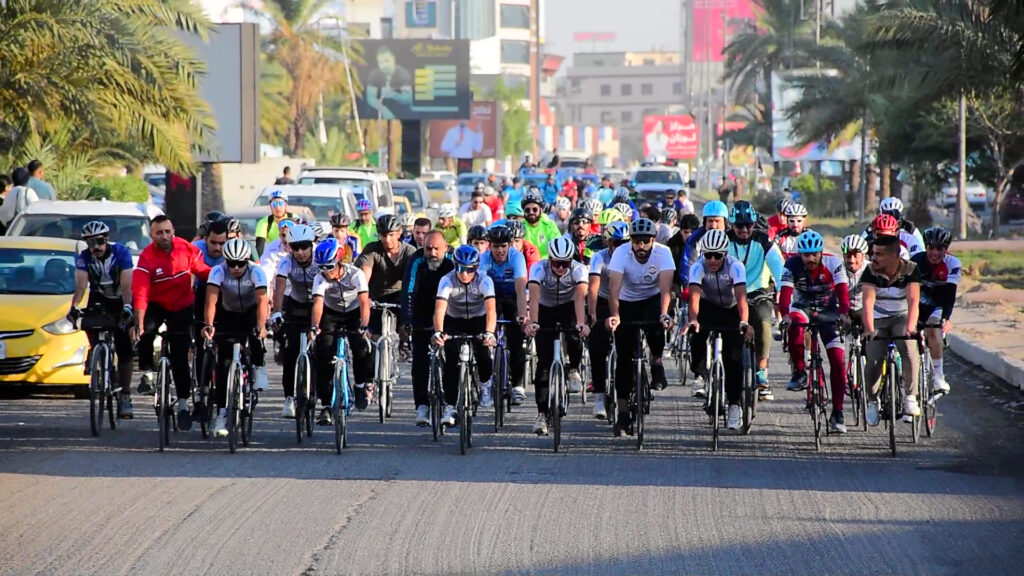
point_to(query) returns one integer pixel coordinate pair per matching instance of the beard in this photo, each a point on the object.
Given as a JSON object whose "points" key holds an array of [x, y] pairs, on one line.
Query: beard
{"points": [[641, 255], [433, 265]]}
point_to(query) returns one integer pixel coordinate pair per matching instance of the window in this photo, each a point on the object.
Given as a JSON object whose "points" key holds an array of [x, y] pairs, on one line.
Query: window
{"points": [[606, 89], [513, 16], [606, 117], [646, 89], [627, 89], [387, 28], [598, 63], [515, 52], [516, 82], [677, 88], [627, 116]]}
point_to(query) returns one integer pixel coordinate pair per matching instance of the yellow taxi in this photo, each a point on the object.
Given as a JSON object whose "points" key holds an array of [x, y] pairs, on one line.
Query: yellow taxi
{"points": [[38, 345]]}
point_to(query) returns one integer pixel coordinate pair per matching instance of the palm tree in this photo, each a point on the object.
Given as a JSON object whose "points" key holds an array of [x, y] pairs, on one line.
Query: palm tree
{"points": [[116, 71]]}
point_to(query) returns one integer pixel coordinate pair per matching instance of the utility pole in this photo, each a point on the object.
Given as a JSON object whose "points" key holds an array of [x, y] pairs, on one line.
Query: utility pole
{"points": [[725, 95], [961, 181]]}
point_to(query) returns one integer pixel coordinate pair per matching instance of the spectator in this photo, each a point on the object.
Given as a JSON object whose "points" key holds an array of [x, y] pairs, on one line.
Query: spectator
{"points": [[43, 188], [5, 185], [527, 162], [286, 176], [682, 204], [555, 162], [20, 176]]}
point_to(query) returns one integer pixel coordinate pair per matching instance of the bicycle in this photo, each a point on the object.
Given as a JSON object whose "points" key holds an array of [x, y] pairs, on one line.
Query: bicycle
{"points": [[640, 396], [165, 397], [890, 397], [305, 389], [748, 400], [501, 391], [679, 347], [240, 395], [386, 368], [558, 389], [341, 394], [715, 369], [103, 369], [203, 390], [436, 389], [855, 378], [817, 391], [467, 401], [610, 397]]}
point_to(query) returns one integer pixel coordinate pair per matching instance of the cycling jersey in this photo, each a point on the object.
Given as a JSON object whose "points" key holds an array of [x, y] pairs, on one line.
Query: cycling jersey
{"points": [[341, 295], [513, 196], [266, 232], [690, 253], [787, 243], [891, 296], [599, 267], [640, 279], [761, 259], [583, 251], [454, 235], [366, 232], [776, 224], [386, 278], [856, 288], [237, 294], [504, 274], [348, 250], [210, 260], [465, 300], [300, 278], [105, 272], [825, 288], [556, 290], [531, 253], [541, 233], [718, 287], [938, 282]]}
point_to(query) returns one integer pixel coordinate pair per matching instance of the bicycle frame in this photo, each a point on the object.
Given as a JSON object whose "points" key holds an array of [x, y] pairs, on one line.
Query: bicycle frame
{"points": [[386, 365]]}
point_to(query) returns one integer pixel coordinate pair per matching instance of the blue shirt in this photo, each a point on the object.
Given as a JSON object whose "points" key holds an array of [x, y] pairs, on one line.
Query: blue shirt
{"points": [[515, 195], [504, 274], [210, 261], [105, 274], [605, 195], [550, 192]]}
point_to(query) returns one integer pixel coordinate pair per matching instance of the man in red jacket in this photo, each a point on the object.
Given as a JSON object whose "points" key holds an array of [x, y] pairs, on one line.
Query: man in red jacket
{"points": [[162, 292]]}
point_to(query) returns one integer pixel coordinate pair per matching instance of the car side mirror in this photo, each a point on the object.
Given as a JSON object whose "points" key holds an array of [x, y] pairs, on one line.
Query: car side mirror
{"points": [[692, 184]]}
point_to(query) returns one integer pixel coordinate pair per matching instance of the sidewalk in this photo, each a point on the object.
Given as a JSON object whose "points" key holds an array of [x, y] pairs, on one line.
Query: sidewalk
{"points": [[988, 331]]}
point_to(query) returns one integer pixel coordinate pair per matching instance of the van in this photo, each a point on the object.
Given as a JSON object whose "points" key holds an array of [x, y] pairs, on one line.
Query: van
{"points": [[323, 199], [366, 183]]}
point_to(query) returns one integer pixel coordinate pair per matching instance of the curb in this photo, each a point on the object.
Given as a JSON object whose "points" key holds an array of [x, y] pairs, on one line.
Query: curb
{"points": [[994, 362]]}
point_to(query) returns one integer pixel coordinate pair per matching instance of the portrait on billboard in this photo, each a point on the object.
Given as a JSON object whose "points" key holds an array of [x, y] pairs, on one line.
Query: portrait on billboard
{"points": [[657, 141], [462, 141], [389, 87], [414, 79]]}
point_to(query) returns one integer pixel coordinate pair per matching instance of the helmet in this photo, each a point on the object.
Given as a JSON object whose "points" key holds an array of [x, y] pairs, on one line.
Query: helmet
{"points": [[714, 241], [561, 248], [234, 226], [499, 234], [937, 236], [326, 252], [388, 223], [94, 228], [364, 205], [406, 220], [514, 209], [669, 216], [446, 211], [742, 213], [885, 225], [610, 215], [621, 196], [563, 203], [625, 210], [237, 249], [301, 233], [890, 205], [594, 205], [532, 197], [299, 220], [794, 209], [715, 209], [517, 228], [466, 255], [319, 232], [617, 232], [780, 206], [810, 242], [278, 195], [477, 232], [340, 220], [854, 243], [642, 227], [215, 216], [478, 187], [581, 214]]}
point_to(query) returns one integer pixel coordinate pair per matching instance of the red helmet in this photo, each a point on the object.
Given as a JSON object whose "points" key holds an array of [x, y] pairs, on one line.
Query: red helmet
{"points": [[885, 225]]}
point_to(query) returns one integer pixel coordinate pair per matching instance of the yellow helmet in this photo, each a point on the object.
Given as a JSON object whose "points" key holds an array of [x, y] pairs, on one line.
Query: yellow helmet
{"points": [[610, 215]]}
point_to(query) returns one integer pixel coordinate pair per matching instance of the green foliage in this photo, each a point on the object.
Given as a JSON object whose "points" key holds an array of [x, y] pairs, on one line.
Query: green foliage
{"points": [[121, 189], [818, 201], [335, 152], [515, 120]]}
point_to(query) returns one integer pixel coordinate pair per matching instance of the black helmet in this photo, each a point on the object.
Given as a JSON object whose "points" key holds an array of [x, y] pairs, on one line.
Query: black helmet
{"points": [[388, 223], [669, 216], [477, 232], [499, 235], [581, 214], [341, 219], [215, 216], [937, 236], [517, 228]]}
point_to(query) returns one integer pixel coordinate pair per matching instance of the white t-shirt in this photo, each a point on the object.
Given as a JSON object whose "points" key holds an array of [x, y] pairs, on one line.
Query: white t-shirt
{"points": [[640, 281], [473, 217]]}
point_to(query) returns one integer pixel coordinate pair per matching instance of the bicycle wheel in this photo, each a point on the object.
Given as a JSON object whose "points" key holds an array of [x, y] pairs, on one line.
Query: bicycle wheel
{"points": [[643, 394], [498, 380], [749, 394], [164, 410], [585, 374], [463, 409], [683, 357], [715, 397], [863, 388], [924, 393], [380, 384], [555, 383], [206, 368], [890, 401], [815, 382], [234, 385], [436, 398], [610, 403], [337, 411], [97, 389], [301, 394], [243, 409]]}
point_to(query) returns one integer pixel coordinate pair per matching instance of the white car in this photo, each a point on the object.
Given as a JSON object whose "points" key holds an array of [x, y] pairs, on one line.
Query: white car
{"points": [[651, 182], [977, 195], [128, 221], [366, 183], [322, 199]]}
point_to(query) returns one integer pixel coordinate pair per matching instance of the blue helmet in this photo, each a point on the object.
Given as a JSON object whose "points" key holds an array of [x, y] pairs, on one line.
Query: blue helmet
{"points": [[364, 205], [742, 213], [716, 209], [278, 195], [326, 252], [466, 255], [810, 242], [617, 232]]}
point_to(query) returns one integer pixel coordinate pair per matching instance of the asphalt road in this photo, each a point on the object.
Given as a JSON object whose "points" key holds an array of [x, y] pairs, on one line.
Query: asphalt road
{"points": [[395, 502]]}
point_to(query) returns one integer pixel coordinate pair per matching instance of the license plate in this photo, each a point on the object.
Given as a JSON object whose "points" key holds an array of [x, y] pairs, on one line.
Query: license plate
{"points": [[3, 349]]}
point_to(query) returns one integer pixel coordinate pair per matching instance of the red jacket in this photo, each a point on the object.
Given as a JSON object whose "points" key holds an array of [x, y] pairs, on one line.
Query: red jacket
{"points": [[165, 279], [496, 205], [531, 253], [776, 224]]}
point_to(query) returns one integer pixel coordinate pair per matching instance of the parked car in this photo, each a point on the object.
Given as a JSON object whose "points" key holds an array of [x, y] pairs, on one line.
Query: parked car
{"points": [[443, 175], [415, 192], [468, 180], [651, 182], [977, 195], [128, 221], [368, 183], [441, 192], [38, 345], [322, 199], [1012, 207]]}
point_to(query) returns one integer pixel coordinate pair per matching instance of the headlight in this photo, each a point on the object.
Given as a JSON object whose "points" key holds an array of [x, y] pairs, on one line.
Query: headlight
{"points": [[60, 327]]}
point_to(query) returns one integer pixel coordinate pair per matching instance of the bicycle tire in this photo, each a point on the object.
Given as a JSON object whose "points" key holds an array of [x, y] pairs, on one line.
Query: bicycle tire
{"points": [[209, 360], [749, 392], [301, 397], [97, 389], [585, 376], [462, 410], [816, 384], [498, 388], [244, 400], [716, 403], [643, 405], [555, 383], [336, 404], [232, 407], [611, 404], [890, 384], [164, 411], [924, 392], [436, 398], [683, 357], [859, 368], [112, 397]]}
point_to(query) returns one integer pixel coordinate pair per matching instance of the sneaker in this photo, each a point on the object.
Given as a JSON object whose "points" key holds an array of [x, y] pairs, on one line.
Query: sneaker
{"points": [[939, 384], [259, 378], [575, 382], [762, 379], [624, 424], [910, 407], [797, 382], [835, 422], [124, 407], [658, 381], [362, 397], [184, 417], [872, 413], [288, 410], [423, 415], [776, 334], [540, 425], [697, 388], [220, 427], [599, 410], [325, 418], [485, 394], [518, 395], [370, 389], [146, 383], [448, 418], [765, 394], [732, 421]]}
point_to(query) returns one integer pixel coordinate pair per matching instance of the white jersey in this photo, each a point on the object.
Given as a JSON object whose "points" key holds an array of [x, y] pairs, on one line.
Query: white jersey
{"points": [[640, 280], [341, 295], [465, 300], [237, 294], [718, 288], [556, 290]]}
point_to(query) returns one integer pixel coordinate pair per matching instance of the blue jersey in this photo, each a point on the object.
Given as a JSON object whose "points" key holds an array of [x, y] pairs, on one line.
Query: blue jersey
{"points": [[550, 192], [105, 273], [504, 275], [515, 195], [210, 260]]}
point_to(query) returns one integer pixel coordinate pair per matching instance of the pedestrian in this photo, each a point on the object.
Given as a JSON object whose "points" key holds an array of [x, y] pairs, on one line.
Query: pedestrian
{"points": [[35, 181], [286, 176]]}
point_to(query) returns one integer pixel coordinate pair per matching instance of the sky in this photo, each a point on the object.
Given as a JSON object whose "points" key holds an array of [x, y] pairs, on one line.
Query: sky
{"points": [[638, 25]]}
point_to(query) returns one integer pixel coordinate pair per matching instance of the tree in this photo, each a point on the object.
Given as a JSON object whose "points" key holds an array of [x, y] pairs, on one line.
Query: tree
{"points": [[515, 120]]}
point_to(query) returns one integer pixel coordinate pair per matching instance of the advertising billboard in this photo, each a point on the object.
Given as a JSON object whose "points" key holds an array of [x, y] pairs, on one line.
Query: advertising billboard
{"points": [[675, 137], [420, 14], [414, 79], [785, 144], [474, 138], [708, 37]]}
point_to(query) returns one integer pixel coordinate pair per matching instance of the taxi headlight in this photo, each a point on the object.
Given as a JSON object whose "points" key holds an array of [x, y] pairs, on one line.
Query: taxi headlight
{"points": [[60, 327]]}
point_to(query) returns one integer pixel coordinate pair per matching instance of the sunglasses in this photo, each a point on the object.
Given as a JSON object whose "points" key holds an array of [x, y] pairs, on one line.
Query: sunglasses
{"points": [[560, 264], [96, 241], [465, 269], [305, 245], [713, 255], [531, 210], [237, 263], [278, 204], [642, 240], [746, 226], [328, 267]]}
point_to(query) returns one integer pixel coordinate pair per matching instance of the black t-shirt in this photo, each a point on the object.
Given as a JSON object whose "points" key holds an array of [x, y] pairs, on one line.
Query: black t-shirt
{"points": [[400, 80], [386, 276]]}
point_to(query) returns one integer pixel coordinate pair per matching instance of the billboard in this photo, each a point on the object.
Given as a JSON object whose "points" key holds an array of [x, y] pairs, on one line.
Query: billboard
{"points": [[414, 79], [473, 138], [708, 37], [785, 144], [676, 137], [420, 14]]}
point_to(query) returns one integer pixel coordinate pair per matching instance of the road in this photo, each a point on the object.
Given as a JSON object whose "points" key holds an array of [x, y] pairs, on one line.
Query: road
{"points": [[396, 502]]}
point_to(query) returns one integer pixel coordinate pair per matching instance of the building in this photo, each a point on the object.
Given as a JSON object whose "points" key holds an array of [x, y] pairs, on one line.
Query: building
{"points": [[618, 89]]}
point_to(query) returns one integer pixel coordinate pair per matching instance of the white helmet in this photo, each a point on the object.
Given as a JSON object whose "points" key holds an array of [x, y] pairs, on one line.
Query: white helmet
{"points": [[642, 227], [795, 209], [560, 248], [563, 203], [854, 243], [890, 205], [714, 241], [594, 205], [407, 220], [238, 250], [446, 211], [625, 210], [94, 228], [301, 233]]}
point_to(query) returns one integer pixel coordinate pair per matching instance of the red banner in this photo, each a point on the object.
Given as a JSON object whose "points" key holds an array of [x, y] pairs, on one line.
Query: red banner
{"points": [[676, 137], [708, 39]]}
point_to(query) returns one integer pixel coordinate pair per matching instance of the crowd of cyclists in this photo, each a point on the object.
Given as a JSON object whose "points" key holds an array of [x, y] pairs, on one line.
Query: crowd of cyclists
{"points": [[593, 274]]}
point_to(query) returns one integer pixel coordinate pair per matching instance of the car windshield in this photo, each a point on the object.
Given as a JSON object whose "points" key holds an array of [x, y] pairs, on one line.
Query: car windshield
{"points": [[573, 162], [435, 185], [658, 177], [360, 186], [36, 271], [410, 192], [322, 206], [471, 180], [129, 231]]}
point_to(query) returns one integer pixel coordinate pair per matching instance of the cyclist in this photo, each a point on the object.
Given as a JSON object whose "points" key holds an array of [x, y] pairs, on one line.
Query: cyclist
{"points": [[407, 221], [940, 276], [514, 210], [105, 268], [579, 234], [348, 243], [683, 204], [560, 213], [453, 229], [718, 300], [506, 267], [236, 302], [855, 251], [162, 292], [687, 224], [615, 234], [777, 223], [211, 217], [626, 211], [548, 190], [465, 307], [212, 248], [715, 215], [365, 227], [267, 227], [667, 219], [609, 215], [558, 290], [293, 304], [521, 244], [796, 223], [276, 250], [892, 294], [477, 238], [540, 230], [763, 263], [419, 295], [886, 225], [383, 263], [815, 288], [475, 212], [420, 228], [639, 288], [235, 229], [910, 236], [622, 197]]}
